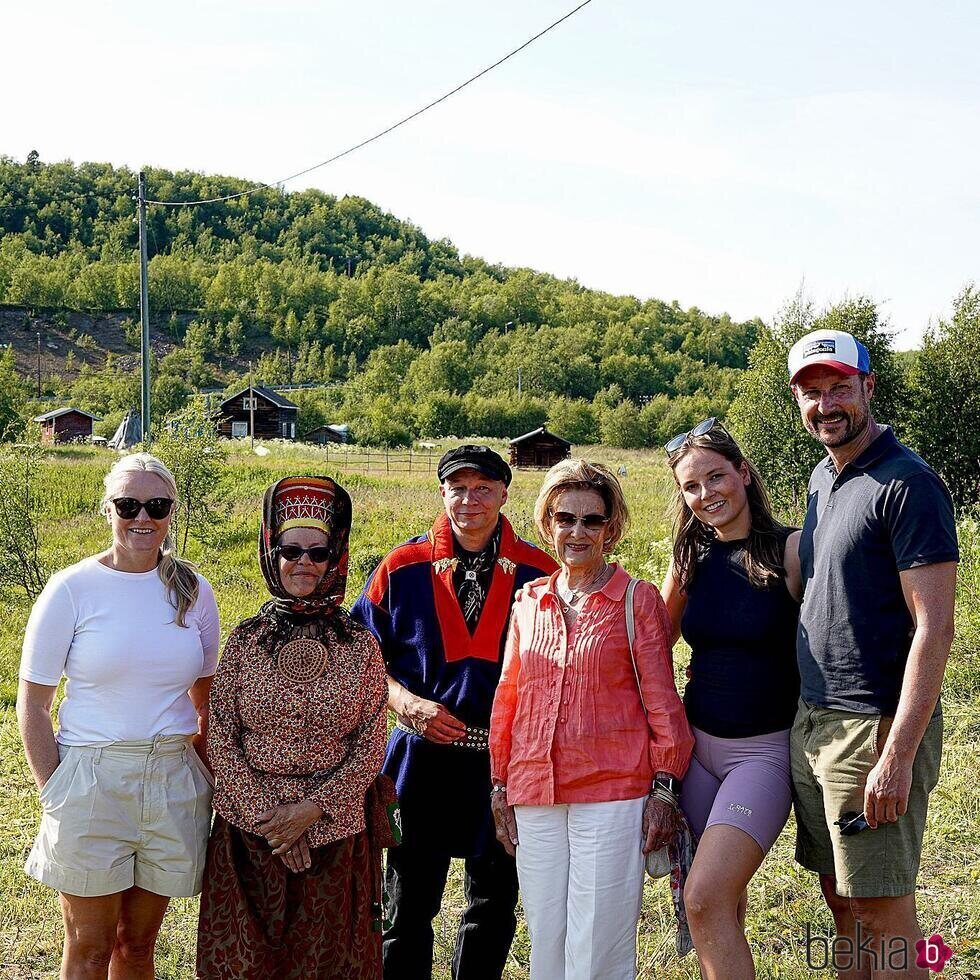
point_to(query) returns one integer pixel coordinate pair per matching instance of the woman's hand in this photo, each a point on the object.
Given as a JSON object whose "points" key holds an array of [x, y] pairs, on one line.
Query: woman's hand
{"points": [[297, 858], [34, 717], [283, 825], [659, 822], [504, 821]]}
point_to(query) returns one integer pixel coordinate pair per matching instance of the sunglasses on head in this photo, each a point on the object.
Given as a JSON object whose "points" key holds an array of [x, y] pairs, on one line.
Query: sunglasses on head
{"points": [[591, 522], [319, 553], [699, 430], [156, 507]]}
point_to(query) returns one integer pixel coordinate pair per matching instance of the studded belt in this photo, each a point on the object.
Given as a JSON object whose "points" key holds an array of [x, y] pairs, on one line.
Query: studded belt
{"points": [[472, 738]]}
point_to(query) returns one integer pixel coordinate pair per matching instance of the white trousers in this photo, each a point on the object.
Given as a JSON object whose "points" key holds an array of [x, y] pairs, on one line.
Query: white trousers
{"points": [[580, 867]]}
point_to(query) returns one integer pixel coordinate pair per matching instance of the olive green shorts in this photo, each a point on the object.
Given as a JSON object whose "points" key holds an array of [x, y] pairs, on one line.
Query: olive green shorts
{"points": [[831, 754]]}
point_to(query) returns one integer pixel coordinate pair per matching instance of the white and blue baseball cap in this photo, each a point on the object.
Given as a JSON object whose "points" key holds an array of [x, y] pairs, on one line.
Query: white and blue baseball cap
{"points": [[834, 348]]}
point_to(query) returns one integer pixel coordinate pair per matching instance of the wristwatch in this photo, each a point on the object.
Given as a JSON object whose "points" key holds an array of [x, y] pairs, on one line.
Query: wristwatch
{"points": [[668, 782]]}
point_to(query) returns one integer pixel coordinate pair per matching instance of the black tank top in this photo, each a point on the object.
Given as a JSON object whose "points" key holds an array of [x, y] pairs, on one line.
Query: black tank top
{"points": [[743, 677]]}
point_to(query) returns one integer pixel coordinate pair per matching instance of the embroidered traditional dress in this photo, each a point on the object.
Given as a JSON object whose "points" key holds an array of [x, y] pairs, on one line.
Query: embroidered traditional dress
{"points": [[410, 603], [297, 712]]}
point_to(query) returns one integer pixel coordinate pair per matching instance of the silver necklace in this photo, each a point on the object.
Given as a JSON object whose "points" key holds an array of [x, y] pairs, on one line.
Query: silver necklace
{"points": [[572, 596]]}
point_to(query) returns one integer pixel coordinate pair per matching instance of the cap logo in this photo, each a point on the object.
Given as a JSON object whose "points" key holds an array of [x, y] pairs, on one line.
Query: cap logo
{"points": [[825, 346]]}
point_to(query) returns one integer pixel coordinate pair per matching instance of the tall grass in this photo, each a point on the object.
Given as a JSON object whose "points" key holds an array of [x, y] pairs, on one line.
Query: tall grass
{"points": [[783, 898]]}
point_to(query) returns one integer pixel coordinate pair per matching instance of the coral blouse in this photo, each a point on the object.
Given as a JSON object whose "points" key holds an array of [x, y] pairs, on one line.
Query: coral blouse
{"points": [[568, 725]]}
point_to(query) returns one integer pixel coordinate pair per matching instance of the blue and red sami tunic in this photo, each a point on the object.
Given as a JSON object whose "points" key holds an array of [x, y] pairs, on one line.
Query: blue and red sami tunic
{"points": [[410, 604]]}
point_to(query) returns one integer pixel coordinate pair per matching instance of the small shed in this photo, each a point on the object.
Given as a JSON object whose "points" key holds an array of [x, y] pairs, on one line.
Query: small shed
{"points": [[275, 416], [538, 449], [66, 425], [324, 434]]}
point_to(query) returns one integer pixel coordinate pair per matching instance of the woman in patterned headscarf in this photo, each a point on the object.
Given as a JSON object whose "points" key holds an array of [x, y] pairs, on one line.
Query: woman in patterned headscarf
{"points": [[296, 740]]}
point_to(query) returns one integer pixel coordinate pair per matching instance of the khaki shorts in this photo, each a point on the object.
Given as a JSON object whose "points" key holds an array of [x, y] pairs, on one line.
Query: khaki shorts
{"points": [[831, 754], [130, 813]]}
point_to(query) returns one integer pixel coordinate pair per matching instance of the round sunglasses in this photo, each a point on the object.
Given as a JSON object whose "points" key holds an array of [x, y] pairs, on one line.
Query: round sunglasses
{"points": [[156, 507], [319, 553]]}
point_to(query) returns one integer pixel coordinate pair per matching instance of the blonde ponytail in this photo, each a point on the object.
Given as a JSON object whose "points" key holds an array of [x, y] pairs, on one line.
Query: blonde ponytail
{"points": [[179, 576]]}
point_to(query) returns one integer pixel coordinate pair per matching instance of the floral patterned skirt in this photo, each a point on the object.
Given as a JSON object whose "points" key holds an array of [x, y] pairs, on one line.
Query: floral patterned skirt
{"points": [[260, 920]]}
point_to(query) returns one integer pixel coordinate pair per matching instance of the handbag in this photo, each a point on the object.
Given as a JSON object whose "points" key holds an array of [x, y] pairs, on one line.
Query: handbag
{"points": [[382, 814]]}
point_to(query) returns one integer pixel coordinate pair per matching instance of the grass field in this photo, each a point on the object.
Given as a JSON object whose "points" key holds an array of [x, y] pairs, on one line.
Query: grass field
{"points": [[783, 898]]}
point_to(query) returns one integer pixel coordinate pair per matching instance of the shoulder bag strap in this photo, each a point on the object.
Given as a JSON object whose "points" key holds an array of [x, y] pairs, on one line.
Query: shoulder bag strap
{"points": [[631, 635]]}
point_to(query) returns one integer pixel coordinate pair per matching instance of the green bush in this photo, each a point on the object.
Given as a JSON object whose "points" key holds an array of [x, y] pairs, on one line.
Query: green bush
{"points": [[573, 419], [441, 414]]}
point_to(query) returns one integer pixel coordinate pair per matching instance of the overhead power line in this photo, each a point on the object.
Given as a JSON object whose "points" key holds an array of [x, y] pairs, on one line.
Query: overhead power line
{"points": [[384, 132]]}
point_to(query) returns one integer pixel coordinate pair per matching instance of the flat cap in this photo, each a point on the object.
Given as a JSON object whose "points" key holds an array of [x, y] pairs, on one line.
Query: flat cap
{"points": [[480, 458]]}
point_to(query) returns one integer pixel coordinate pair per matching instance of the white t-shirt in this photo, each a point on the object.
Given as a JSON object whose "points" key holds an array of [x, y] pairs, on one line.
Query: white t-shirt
{"points": [[128, 664]]}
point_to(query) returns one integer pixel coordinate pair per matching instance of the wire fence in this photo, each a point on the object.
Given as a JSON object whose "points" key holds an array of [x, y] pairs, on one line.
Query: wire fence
{"points": [[379, 461]]}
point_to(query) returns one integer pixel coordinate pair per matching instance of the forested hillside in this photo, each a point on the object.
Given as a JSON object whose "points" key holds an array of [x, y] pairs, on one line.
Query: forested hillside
{"points": [[408, 337]]}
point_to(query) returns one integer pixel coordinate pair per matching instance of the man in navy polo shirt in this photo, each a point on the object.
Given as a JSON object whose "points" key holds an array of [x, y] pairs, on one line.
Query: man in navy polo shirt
{"points": [[878, 557]]}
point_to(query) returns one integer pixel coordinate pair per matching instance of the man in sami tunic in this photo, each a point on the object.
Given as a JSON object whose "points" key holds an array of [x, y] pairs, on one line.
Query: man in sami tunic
{"points": [[439, 605]]}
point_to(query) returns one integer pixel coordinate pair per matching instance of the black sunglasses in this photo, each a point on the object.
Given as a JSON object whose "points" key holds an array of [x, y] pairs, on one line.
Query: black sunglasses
{"points": [[591, 522], [852, 823], [156, 507], [699, 430], [319, 553]]}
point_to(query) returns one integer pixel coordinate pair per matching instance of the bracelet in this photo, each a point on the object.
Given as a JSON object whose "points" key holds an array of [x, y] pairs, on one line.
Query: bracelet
{"points": [[670, 783], [664, 795], [498, 788]]}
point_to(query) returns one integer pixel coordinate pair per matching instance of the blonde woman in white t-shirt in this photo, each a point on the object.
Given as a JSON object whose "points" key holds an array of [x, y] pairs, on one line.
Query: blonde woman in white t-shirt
{"points": [[125, 799]]}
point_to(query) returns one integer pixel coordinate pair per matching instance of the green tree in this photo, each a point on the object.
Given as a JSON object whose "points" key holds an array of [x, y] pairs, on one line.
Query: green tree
{"points": [[440, 414], [14, 392], [169, 395], [622, 426], [764, 417], [22, 569], [574, 420], [383, 424], [189, 446], [273, 368], [234, 334], [447, 366], [944, 400]]}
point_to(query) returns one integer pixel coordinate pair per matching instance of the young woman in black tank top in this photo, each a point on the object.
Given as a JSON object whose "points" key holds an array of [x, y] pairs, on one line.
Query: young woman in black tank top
{"points": [[733, 590]]}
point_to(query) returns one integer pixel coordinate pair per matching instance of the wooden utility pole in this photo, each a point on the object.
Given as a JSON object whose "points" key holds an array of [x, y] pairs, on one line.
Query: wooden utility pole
{"points": [[251, 409], [39, 365], [144, 312]]}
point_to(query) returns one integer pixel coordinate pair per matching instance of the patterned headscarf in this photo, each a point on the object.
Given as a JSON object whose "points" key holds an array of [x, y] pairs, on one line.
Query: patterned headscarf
{"points": [[307, 501]]}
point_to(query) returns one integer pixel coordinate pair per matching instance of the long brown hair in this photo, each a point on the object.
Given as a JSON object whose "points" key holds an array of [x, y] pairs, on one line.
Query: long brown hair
{"points": [[763, 555]]}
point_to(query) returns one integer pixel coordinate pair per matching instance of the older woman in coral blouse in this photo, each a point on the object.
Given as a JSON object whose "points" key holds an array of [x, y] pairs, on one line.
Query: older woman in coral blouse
{"points": [[586, 752]]}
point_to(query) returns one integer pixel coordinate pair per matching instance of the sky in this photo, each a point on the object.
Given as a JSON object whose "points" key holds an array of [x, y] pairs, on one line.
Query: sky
{"points": [[721, 155]]}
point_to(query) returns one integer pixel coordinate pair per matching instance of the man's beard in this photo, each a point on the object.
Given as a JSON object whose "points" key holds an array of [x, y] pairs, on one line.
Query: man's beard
{"points": [[853, 428]]}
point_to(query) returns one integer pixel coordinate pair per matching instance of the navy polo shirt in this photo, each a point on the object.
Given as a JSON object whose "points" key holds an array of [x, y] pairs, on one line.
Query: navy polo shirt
{"points": [[885, 512]]}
